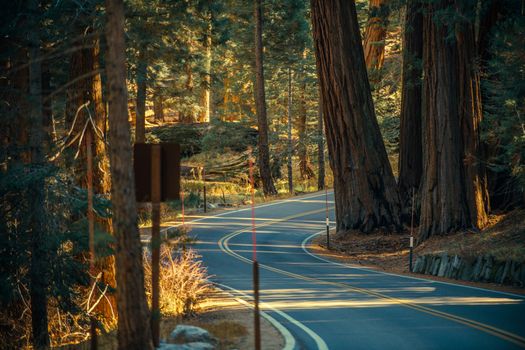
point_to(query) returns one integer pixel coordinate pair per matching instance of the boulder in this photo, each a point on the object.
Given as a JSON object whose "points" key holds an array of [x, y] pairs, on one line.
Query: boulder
{"points": [[191, 334], [443, 266]]}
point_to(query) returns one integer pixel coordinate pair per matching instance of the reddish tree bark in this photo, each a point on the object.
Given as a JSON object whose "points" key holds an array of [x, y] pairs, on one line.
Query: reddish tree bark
{"points": [[375, 35], [452, 195], [366, 195], [133, 322], [410, 148]]}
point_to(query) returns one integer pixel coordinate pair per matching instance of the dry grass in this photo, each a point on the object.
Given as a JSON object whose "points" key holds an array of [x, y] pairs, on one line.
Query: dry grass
{"points": [[183, 281]]}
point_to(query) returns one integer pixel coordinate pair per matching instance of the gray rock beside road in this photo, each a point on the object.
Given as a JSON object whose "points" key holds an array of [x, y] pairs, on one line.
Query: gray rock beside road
{"points": [[184, 334]]}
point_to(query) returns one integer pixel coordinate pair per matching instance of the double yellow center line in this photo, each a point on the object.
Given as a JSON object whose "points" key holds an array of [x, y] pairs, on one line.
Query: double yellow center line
{"points": [[500, 333]]}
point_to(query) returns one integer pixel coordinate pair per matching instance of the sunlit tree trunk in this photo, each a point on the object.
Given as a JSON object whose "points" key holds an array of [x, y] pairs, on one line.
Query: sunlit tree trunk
{"points": [[204, 116], [410, 148], [140, 121], [375, 35], [133, 322], [260, 102], [452, 196], [158, 107], [366, 195]]}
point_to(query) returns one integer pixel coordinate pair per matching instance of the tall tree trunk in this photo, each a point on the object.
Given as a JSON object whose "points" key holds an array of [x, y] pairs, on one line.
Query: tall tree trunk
{"points": [[133, 321], [260, 102], [140, 122], [38, 267], [204, 116], [305, 166], [451, 197], [410, 148], [375, 35], [320, 149], [289, 129], [87, 91], [470, 114], [366, 196], [158, 107]]}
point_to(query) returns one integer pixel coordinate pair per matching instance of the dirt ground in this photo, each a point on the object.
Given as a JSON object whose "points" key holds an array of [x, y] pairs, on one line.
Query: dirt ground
{"points": [[230, 322], [504, 238]]}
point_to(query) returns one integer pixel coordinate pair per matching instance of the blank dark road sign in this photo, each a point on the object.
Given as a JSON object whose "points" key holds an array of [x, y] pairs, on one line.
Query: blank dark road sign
{"points": [[170, 171]]}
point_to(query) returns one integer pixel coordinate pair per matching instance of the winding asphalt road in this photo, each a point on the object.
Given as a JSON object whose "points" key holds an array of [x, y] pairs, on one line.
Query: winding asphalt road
{"points": [[320, 304]]}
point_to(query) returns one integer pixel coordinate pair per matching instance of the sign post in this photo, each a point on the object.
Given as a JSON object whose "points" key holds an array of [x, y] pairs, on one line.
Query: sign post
{"points": [[257, 320], [410, 255], [157, 179], [155, 241]]}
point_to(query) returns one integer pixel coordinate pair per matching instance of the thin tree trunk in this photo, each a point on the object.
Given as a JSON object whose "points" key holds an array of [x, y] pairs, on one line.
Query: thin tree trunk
{"points": [[374, 43], [452, 198], [410, 148], [133, 322], [88, 92], [366, 196], [204, 116], [38, 268], [158, 107], [260, 102], [320, 149], [305, 167], [140, 122], [290, 142]]}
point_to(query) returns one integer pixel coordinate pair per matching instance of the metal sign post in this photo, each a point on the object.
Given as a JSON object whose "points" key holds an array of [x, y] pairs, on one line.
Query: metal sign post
{"points": [[155, 241], [157, 179], [327, 218], [410, 255], [257, 322]]}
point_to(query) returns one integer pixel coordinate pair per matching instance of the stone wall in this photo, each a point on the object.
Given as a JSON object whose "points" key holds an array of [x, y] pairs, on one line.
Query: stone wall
{"points": [[480, 269]]}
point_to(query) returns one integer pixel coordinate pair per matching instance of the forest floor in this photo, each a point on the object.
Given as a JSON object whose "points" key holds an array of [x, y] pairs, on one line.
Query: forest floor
{"points": [[504, 239]]}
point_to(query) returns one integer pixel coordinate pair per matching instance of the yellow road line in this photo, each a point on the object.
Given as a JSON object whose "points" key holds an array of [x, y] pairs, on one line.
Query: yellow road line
{"points": [[500, 333]]}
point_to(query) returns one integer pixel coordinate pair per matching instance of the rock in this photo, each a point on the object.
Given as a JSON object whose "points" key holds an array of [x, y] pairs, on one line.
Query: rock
{"points": [[443, 265], [466, 273], [487, 269], [476, 273], [188, 346], [211, 206], [419, 262], [191, 334], [506, 271], [435, 267]]}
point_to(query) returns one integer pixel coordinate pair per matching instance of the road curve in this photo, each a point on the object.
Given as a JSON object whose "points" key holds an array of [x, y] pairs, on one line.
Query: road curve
{"points": [[327, 305]]}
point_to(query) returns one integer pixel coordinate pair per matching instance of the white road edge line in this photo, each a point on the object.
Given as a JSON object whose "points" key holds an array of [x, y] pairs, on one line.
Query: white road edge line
{"points": [[289, 340], [350, 266]]}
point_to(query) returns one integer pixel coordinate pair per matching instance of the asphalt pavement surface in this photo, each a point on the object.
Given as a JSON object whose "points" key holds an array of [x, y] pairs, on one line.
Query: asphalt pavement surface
{"points": [[322, 304]]}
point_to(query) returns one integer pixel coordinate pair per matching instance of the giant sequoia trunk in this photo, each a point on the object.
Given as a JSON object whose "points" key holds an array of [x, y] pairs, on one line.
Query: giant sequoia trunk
{"points": [[452, 196], [133, 322], [410, 162], [366, 196], [375, 35], [260, 103], [204, 115]]}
